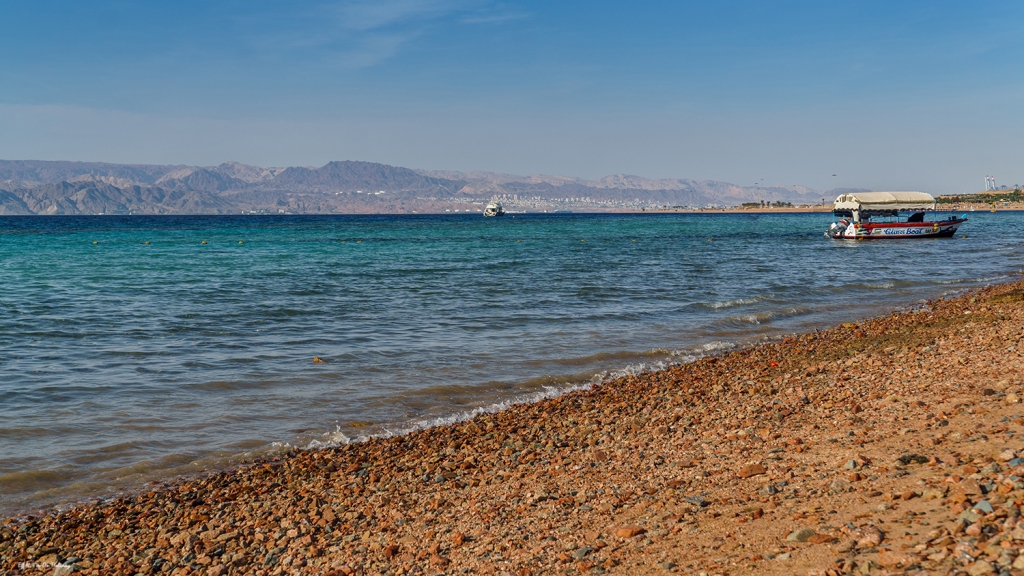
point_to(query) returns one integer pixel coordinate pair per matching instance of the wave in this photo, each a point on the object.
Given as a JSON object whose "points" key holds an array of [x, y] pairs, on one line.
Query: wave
{"points": [[328, 440], [735, 302], [421, 424], [603, 357], [745, 320], [976, 280], [29, 480], [551, 387]]}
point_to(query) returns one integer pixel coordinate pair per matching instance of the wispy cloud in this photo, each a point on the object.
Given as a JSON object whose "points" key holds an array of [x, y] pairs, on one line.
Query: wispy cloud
{"points": [[364, 15], [361, 34], [493, 14], [358, 34], [494, 18], [373, 49]]}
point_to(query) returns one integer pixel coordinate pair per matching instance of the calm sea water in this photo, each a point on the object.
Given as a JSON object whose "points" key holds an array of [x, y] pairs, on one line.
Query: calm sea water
{"points": [[131, 351]]}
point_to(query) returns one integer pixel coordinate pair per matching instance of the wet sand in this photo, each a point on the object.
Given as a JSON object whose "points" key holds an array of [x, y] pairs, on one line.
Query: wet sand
{"points": [[885, 446]]}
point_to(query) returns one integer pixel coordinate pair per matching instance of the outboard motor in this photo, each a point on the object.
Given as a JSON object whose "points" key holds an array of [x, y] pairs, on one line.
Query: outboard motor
{"points": [[837, 228]]}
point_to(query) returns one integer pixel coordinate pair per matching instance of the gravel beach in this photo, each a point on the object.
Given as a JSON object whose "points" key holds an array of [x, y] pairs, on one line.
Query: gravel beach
{"points": [[892, 445]]}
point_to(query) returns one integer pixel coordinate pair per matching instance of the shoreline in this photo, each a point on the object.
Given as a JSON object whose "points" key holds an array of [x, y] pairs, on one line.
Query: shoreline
{"points": [[961, 207], [209, 465], [728, 457]]}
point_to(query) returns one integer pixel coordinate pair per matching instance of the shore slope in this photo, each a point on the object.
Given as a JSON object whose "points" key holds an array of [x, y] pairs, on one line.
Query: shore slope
{"points": [[886, 445]]}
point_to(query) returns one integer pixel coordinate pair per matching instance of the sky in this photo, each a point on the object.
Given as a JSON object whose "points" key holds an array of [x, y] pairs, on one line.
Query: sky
{"points": [[918, 95]]}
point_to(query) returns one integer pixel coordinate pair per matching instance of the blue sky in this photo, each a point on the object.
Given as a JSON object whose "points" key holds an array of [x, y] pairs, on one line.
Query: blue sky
{"points": [[886, 95]]}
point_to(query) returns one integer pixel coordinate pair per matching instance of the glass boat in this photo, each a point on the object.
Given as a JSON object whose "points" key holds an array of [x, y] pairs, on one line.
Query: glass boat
{"points": [[879, 215]]}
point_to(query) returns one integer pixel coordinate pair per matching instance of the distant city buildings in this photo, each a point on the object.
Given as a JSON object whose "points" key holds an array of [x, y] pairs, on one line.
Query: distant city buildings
{"points": [[524, 203]]}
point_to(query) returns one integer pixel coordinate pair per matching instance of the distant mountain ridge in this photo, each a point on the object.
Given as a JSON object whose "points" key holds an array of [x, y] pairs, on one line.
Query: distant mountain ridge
{"points": [[64, 187], [98, 197]]}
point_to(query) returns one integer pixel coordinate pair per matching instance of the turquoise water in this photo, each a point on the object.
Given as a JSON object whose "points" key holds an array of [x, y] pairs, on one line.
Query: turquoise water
{"points": [[123, 362]]}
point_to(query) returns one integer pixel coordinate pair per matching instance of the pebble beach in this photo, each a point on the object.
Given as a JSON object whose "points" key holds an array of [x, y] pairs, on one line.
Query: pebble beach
{"points": [[887, 446]]}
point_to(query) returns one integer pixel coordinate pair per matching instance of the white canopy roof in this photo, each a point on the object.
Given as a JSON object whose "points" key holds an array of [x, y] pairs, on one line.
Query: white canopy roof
{"points": [[885, 201]]}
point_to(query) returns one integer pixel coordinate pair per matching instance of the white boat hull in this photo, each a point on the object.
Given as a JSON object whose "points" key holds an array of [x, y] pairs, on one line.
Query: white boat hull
{"points": [[494, 209]]}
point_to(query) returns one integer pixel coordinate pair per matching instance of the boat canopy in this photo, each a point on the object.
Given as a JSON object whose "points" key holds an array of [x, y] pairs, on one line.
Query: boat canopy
{"points": [[886, 202]]}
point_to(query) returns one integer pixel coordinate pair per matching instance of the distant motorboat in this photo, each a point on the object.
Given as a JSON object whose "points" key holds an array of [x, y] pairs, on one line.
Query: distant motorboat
{"points": [[494, 209]]}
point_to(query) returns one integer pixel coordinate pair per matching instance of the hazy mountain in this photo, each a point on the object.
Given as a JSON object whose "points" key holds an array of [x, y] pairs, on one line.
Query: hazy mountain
{"points": [[58, 187], [348, 176], [246, 173], [209, 180], [57, 171], [12, 204], [91, 197], [624, 187]]}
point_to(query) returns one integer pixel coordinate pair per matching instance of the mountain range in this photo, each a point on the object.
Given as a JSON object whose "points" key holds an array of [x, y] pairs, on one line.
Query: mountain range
{"points": [[62, 187]]}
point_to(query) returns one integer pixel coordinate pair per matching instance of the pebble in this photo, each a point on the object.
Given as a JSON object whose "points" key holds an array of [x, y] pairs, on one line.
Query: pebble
{"points": [[889, 558], [868, 536], [584, 552], [629, 531], [969, 516], [984, 506], [751, 470], [980, 568], [800, 535]]}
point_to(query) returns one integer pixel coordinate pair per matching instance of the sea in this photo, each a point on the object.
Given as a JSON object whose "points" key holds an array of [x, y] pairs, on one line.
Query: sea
{"points": [[139, 349]]}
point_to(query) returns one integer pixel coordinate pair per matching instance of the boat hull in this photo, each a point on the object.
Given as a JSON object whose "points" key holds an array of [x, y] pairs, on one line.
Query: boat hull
{"points": [[897, 230]]}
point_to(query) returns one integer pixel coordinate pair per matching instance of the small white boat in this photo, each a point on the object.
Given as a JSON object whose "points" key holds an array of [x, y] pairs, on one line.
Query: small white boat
{"points": [[494, 209], [880, 215]]}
